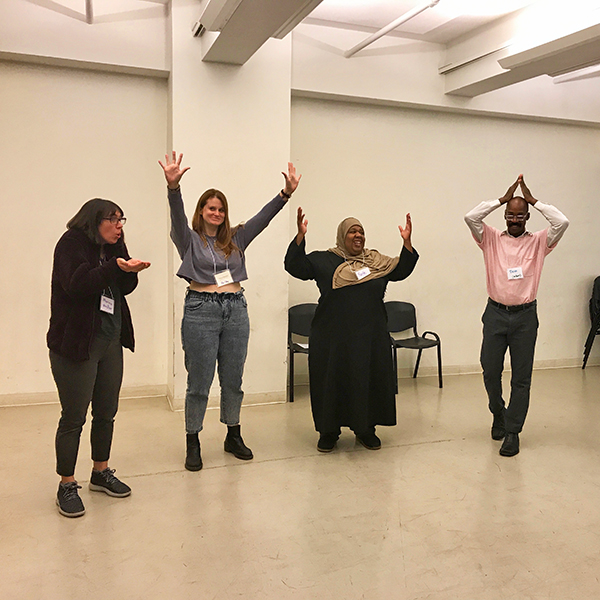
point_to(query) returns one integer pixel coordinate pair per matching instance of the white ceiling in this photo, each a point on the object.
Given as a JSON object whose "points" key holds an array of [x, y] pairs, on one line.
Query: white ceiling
{"points": [[448, 20]]}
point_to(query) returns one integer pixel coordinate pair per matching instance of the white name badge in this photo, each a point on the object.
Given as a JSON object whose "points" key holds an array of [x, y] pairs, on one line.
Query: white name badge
{"points": [[362, 273], [107, 305], [223, 278], [515, 273]]}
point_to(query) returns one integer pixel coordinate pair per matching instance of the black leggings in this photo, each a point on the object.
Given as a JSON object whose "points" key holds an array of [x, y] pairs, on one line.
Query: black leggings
{"points": [[97, 380]]}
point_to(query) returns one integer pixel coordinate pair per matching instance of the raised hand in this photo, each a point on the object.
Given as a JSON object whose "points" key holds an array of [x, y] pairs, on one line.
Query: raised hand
{"points": [[510, 192], [526, 193], [406, 232], [173, 170], [291, 179], [133, 265], [302, 223]]}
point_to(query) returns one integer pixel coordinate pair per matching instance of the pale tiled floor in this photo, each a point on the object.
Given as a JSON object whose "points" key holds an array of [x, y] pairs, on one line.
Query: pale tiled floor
{"points": [[436, 514]]}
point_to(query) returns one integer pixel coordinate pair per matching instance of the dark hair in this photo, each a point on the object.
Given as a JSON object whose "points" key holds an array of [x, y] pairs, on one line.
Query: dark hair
{"points": [[224, 232], [91, 214]]}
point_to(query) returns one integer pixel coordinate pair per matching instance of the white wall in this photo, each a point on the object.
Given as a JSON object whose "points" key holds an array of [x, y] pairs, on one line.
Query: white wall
{"points": [[126, 34], [69, 136], [378, 163]]}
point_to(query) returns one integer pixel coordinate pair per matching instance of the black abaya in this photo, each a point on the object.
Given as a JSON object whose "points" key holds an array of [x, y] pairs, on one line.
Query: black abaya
{"points": [[350, 360]]}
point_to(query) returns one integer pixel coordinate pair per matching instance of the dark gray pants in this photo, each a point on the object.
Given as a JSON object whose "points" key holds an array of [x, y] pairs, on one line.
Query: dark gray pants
{"points": [[97, 380], [516, 331]]}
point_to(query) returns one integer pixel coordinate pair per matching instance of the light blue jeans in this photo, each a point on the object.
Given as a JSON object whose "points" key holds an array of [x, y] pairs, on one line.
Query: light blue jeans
{"points": [[214, 331]]}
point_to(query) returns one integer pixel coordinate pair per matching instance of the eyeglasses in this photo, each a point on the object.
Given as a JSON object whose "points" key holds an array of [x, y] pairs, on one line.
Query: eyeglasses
{"points": [[518, 218], [114, 220]]}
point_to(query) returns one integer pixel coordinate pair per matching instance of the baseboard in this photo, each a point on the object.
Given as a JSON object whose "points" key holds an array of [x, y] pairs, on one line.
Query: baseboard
{"points": [[37, 398]]}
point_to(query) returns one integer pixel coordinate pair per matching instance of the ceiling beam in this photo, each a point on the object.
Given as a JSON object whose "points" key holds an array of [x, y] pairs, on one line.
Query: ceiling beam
{"points": [[245, 25]]}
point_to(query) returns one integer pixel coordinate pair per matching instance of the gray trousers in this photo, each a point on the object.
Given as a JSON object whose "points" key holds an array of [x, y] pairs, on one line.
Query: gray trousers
{"points": [[516, 331], [96, 381]]}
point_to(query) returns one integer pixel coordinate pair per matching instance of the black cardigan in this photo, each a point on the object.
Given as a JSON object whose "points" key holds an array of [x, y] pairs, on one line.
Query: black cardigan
{"points": [[78, 279]]}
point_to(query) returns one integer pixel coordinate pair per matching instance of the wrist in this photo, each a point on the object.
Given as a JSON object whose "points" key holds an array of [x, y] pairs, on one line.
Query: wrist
{"points": [[173, 189], [285, 195]]}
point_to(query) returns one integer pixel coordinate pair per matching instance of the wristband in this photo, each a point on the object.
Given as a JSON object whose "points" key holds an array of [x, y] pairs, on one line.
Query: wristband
{"points": [[288, 196]]}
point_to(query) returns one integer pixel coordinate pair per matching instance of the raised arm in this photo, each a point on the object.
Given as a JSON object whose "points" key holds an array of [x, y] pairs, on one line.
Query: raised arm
{"points": [[558, 221], [172, 169], [474, 218], [406, 232], [259, 222], [296, 262], [302, 224], [180, 230]]}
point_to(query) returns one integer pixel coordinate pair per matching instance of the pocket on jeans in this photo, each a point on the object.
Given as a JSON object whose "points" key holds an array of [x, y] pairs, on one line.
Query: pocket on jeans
{"points": [[194, 304]]}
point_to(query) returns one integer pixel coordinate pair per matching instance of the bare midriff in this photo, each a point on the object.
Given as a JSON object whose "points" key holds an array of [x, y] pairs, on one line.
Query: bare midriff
{"points": [[213, 287]]}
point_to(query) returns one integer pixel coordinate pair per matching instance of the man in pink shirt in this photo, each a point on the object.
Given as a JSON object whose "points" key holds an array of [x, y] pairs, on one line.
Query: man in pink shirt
{"points": [[513, 263]]}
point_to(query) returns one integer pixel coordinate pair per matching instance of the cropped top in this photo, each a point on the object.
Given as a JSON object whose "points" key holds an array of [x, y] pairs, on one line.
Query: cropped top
{"points": [[201, 261]]}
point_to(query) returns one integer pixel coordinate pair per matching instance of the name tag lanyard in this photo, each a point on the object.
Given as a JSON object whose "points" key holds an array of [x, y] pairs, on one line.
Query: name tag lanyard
{"points": [[222, 277], [107, 300]]}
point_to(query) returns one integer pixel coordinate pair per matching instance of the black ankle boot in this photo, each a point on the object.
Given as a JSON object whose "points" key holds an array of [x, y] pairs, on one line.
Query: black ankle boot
{"points": [[193, 460], [235, 444]]}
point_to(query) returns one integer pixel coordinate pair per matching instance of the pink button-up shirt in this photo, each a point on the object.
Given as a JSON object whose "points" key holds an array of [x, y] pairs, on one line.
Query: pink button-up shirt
{"points": [[524, 254]]}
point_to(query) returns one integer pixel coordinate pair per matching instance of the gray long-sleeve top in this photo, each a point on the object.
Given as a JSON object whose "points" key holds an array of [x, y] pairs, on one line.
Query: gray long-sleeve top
{"points": [[201, 261]]}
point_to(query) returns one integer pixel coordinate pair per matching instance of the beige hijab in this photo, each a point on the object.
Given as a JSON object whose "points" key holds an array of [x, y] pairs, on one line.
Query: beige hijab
{"points": [[379, 264]]}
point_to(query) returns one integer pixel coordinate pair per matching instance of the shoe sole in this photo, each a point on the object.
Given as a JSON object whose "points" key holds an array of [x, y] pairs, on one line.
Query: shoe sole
{"points": [[508, 453], [368, 447], [240, 456], [99, 488], [66, 514], [326, 450], [193, 467]]}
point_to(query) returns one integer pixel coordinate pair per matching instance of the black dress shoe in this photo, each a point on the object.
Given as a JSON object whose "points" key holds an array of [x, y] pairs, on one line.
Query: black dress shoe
{"points": [[498, 427], [369, 440], [327, 442], [510, 446], [235, 444]]}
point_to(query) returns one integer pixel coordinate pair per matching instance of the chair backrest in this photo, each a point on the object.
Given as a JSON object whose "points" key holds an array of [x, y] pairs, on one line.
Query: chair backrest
{"points": [[300, 318], [401, 316]]}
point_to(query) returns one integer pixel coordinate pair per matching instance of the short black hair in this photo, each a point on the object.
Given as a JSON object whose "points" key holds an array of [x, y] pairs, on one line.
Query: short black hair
{"points": [[91, 214]]}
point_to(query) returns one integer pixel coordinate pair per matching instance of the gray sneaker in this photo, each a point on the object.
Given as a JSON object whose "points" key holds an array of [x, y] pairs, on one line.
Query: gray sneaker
{"points": [[68, 501], [105, 481]]}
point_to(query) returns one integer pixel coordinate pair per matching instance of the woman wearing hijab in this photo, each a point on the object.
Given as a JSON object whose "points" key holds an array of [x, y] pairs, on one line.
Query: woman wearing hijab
{"points": [[350, 362]]}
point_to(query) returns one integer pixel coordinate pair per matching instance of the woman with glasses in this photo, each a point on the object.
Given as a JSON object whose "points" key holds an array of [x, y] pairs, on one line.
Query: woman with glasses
{"points": [[215, 327], [89, 325]]}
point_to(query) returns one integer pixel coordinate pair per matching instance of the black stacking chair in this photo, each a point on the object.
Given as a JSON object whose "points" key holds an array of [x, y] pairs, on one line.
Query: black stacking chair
{"points": [[595, 319], [402, 316], [299, 321]]}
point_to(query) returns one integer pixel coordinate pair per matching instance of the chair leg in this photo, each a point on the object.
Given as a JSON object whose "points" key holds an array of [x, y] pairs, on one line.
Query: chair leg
{"points": [[396, 366], [417, 363], [439, 353], [291, 384]]}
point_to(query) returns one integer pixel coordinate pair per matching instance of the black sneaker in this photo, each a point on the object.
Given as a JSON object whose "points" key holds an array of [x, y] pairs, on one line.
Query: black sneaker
{"points": [[68, 501], [105, 481]]}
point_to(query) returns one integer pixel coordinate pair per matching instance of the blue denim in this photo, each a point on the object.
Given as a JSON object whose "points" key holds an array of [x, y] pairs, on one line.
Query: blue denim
{"points": [[215, 330]]}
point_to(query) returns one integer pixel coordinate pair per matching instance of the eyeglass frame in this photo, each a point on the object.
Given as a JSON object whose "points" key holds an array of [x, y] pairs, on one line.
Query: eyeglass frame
{"points": [[517, 218], [114, 219]]}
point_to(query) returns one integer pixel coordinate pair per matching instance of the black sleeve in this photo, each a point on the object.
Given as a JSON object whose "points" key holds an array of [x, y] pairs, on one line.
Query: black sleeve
{"points": [[405, 265], [297, 263]]}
